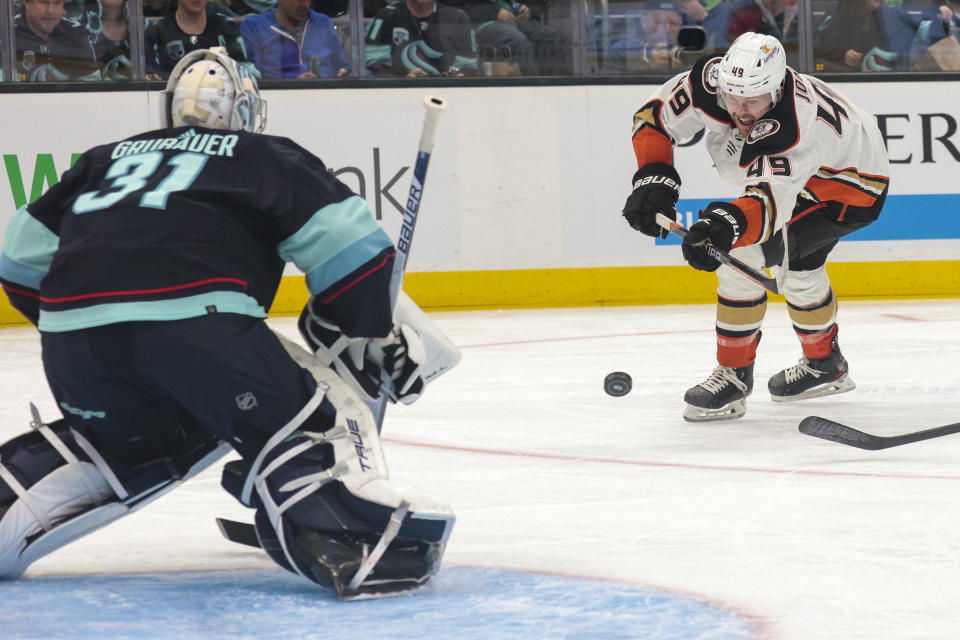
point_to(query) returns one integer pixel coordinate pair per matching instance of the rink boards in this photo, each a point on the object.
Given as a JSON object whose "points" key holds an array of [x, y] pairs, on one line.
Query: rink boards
{"points": [[523, 209]]}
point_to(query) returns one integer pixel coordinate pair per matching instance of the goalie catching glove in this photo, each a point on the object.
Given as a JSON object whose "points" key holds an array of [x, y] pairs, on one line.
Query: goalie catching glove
{"points": [[359, 361]]}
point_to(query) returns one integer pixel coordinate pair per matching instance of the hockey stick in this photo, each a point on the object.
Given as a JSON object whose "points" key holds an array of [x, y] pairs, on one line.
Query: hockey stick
{"points": [[770, 284], [830, 430], [239, 532], [246, 534], [435, 106]]}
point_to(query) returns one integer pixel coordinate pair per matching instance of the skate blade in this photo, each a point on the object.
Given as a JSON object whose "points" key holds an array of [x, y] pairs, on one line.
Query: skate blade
{"points": [[731, 411], [840, 385]]}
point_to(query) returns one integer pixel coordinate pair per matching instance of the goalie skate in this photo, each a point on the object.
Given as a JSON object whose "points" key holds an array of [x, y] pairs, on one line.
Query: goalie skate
{"points": [[722, 396], [812, 378]]}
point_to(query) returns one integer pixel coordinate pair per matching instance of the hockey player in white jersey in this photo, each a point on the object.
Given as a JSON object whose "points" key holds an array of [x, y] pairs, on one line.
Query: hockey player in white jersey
{"points": [[812, 167]]}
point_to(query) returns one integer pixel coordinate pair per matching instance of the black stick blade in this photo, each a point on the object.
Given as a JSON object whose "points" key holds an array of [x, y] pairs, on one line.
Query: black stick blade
{"points": [[830, 430], [836, 432], [239, 532]]}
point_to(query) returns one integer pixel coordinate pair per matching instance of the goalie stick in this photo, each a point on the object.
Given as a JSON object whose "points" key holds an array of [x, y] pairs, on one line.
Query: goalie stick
{"points": [[770, 284], [246, 534], [239, 532], [836, 432], [435, 106]]}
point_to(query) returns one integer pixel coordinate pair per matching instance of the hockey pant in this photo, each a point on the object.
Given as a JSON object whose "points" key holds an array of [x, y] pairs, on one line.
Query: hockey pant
{"points": [[812, 233]]}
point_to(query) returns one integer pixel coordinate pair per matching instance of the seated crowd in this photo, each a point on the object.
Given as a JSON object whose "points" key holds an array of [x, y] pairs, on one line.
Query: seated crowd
{"points": [[848, 35], [67, 40]]}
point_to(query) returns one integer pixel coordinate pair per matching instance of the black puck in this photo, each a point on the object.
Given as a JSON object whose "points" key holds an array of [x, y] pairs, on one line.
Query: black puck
{"points": [[617, 383]]}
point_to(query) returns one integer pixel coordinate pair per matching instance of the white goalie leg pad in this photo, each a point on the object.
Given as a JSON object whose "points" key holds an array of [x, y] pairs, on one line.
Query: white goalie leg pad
{"points": [[71, 501], [359, 464], [357, 444], [62, 493]]}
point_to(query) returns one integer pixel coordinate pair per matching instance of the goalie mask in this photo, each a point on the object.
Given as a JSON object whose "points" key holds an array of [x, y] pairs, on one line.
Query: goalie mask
{"points": [[208, 89], [754, 65]]}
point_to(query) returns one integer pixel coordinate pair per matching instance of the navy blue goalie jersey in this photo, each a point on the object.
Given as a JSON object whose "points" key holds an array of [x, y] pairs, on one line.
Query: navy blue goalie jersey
{"points": [[182, 222]]}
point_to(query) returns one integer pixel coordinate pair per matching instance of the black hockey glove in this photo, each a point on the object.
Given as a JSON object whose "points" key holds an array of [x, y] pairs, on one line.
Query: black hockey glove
{"points": [[721, 224], [656, 189]]}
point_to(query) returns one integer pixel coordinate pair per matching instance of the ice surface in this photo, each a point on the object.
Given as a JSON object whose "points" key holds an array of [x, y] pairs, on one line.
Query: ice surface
{"points": [[462, 603], [779, 534]]}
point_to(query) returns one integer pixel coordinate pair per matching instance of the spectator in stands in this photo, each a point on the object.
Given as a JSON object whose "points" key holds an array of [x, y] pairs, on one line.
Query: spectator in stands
{"points": [[552, 50], [194, 24], [111, 44], [654, 47], [777, 18], [950, 11], [416, 38], [72, 9], [294, 42], [50, 48], [156, 8], [937, 21], [946, 12], [626, 52], [712, 15], [372, 7], [517, 31], [246, 8], [497, 25], [332, 8], [867, 35]]}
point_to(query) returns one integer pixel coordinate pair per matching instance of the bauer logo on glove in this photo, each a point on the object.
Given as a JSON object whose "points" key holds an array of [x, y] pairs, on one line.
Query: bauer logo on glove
{"points": [[656, 189]]}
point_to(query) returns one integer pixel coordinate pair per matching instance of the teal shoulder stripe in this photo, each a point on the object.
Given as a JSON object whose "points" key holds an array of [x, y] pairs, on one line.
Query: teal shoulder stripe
{"points": [[336, 240], [346, 262], [13, 271], [28, 249], [174, 309]]}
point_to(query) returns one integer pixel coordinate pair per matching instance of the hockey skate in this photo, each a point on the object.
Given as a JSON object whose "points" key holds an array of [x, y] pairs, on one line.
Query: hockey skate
{"points": [[812, 378], [722, 396]]}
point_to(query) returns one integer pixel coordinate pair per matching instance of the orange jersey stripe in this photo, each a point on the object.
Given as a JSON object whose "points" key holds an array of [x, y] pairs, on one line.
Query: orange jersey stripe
{"points": [[837, 191], [753, 210], [651, 145]]}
